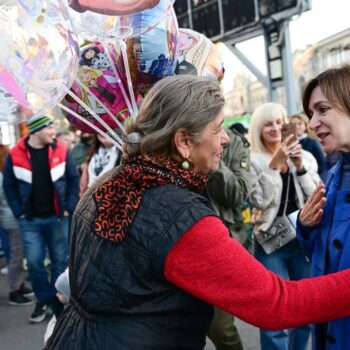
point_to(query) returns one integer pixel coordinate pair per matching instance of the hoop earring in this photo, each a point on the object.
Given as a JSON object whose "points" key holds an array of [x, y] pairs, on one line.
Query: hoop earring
{"points": [[185, 165]]}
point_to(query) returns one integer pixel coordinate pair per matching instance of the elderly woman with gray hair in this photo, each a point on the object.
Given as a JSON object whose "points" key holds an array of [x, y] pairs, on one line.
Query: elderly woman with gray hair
{"points": [[149, 257]]}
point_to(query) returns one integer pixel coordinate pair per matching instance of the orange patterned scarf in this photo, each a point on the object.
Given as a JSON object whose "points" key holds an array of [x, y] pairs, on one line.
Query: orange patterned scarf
{"points": [[118, 199]]}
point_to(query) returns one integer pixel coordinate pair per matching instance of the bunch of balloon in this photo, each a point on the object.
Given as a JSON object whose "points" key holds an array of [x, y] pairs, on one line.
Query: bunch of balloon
{"points": [[110, 23], [38, 58], [98, 88], [153, 54], [198, 56]]}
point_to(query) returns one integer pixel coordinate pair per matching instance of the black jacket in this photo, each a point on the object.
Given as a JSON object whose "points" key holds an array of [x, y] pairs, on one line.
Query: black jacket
{"points": [[119, 296]]}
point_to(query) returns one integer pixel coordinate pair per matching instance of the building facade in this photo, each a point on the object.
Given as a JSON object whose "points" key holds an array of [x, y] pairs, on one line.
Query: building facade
{"points": [[249, 93]]}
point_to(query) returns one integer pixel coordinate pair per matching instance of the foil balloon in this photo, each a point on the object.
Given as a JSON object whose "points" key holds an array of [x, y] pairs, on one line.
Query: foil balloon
{"points": [[198, 56], [38, 58], [153, 55], [101, 90], [89, 21], [112, 7]]}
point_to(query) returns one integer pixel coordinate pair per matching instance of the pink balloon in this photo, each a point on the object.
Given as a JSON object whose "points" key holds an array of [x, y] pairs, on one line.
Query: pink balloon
{"points": [[95, 73], [10, 84], [112, 7]]}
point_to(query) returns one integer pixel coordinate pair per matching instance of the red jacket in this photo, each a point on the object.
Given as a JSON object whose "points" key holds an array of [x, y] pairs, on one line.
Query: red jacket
{"points": [[18, 178]]}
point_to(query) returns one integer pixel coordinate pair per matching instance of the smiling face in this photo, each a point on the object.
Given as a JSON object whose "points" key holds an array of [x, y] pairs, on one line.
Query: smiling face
{"points": [[205, 155], [330, 124], [85, 76], [44, 136], [89, 54], [271, 133], [300, 126]]}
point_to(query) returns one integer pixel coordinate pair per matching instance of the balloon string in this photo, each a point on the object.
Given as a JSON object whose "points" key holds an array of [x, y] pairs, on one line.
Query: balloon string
{"points": [[120, 83], [84, 87], [95, 115], [87, 122], [127, 70], [84, 120]]}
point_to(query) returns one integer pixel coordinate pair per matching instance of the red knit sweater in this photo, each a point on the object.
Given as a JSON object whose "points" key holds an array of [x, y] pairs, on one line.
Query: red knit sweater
{"points": [[210, 265]]}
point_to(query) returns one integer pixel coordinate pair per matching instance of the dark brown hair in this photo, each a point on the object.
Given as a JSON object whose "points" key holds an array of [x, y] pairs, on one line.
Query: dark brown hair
{"points": [[334, 84]]}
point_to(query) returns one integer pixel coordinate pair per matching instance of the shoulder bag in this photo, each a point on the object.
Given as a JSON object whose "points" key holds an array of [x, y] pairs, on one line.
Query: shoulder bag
{"points": [[280, 232]]}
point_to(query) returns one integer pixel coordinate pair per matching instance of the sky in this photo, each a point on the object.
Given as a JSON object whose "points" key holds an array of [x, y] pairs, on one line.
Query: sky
{"points": [[325, 18]]}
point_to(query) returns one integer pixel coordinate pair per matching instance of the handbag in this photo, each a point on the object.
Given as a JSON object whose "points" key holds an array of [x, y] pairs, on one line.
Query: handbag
{"points": [[280, 232]]}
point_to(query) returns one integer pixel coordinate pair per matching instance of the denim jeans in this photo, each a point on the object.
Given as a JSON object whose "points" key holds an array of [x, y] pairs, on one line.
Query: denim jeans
{"points": [[37, 234], [5, 245], [291, 263], [15, 263]]}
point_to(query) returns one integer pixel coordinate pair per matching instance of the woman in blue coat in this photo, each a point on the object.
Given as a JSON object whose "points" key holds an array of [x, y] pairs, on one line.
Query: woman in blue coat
{"points": [[324, 222]]}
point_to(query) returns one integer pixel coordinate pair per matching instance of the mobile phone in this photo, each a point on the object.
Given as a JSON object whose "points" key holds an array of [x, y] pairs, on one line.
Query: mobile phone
{"points": [[289, 129]]}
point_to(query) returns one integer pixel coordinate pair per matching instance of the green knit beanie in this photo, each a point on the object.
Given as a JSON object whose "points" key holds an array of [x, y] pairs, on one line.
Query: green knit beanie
{"points": [[39, 123]]}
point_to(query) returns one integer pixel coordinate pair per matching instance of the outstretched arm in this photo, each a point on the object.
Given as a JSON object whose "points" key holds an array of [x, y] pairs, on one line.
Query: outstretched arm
{"points": [[208, 264]]}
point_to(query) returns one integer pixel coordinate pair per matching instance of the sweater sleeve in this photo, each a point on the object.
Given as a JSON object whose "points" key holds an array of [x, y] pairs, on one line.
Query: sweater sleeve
{"points": [[10, 187], [266, 183], [211, 266]]}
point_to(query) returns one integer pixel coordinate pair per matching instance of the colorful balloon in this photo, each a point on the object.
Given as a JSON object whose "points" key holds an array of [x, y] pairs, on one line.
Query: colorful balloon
{"points": [[198, 56], [96, 27], [38, 58], [153, 55], [112, 7], [102, 89]]}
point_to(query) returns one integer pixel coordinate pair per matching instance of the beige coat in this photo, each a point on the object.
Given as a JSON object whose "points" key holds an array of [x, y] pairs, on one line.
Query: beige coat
{"points": [[266, 191]]}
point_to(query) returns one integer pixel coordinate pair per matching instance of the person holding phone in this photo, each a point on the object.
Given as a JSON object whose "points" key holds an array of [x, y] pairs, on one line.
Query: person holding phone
{"points": [[307, 142], [282, 176]]}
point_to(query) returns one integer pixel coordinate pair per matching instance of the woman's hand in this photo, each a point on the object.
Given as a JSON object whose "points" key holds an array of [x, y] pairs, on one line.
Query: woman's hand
{"points": [[295, 155], [312, 212], [279, 158]]}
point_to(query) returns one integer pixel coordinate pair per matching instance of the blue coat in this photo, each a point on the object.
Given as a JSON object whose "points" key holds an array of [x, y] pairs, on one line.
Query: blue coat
{"points": [[331, 234]]}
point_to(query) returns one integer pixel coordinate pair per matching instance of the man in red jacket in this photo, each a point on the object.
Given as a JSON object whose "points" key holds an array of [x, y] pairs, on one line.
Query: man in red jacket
{"points": [[41, 185]]}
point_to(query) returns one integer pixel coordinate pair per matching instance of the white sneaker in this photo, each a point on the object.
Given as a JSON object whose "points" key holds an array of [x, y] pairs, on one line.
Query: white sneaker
{"points": [[4, 271]]}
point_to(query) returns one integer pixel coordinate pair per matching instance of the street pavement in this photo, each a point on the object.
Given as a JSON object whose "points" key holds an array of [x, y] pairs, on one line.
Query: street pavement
{"points": [[16, 333], [249, 336]]}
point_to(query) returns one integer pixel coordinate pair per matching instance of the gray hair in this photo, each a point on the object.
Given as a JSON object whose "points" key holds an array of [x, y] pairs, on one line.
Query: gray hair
{"points": [[183, 102]]}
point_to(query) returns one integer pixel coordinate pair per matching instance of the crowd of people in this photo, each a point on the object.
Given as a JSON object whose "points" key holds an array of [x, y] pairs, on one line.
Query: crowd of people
{"points": [[158, 251]]}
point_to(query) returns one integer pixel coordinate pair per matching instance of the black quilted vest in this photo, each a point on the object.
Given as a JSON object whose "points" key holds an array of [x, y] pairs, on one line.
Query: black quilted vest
{"points": [[121, 287]]}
